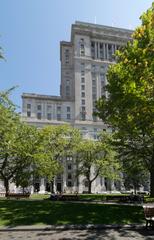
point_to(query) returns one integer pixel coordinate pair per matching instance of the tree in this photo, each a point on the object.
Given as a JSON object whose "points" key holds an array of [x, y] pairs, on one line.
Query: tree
{"points": [[129, 109], [97, 158], [16, 151], [134, 176], [24, 149], [55, 143], [18, 143], [8, 120]]}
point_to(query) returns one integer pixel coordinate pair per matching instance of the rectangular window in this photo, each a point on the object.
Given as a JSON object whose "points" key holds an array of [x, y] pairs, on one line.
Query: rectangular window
{"points": [[83, 109], [39, 115], [59, 177], [58, 108], [82, 53], [83, 94], [68, 116], [83, 102], [39, 107], [28, 106], [67, 91], [69, 183], [49, 108], [82, 87], [82, 73], [82, 80], [59, 117], [67, 82], [94, 118], [69, 176], [94, 97], [69, 166], [28, 114], [68, 109], [49, 116], [83, 116]]}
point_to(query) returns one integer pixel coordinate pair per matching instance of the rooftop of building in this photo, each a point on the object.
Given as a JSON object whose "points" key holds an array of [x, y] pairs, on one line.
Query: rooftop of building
{"points": [[45, 97], [99, 26], [97, 31]]}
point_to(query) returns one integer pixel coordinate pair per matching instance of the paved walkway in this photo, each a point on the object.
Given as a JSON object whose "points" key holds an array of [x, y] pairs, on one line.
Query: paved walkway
{"points": [[85, 234]]}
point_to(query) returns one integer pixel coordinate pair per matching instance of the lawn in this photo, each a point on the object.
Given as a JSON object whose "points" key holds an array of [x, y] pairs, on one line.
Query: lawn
{"points": [[34, 212]]}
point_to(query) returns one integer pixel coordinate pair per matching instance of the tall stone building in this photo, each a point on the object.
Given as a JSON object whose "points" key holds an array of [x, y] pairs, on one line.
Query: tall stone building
{"points": [[84, 63]]}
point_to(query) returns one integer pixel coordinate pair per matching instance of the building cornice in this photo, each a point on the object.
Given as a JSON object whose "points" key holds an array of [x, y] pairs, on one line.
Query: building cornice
{"points": [[45, 97], [101, 31]]}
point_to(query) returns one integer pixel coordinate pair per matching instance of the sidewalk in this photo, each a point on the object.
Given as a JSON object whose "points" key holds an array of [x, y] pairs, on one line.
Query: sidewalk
{"points": [[78, 232]]}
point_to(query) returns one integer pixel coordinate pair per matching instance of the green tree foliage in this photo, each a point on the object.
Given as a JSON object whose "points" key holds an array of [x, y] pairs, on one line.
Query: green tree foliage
{"points": [[56, 142], [17, 146], [129, 109], [25, 147], [97, 158], [134, 176], [8, 121], [17, 143]]}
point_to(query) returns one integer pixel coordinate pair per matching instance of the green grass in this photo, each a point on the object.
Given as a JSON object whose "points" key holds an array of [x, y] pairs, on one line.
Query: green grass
{"points": [[39, 196], [28, 212], [148, 199]]}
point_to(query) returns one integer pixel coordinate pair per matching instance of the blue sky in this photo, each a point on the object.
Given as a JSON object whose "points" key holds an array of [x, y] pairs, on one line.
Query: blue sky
{"points": [[31, 30]]}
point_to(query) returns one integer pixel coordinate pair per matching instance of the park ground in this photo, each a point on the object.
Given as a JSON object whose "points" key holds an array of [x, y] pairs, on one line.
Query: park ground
{"points": [[33, 219], [40, 211]]}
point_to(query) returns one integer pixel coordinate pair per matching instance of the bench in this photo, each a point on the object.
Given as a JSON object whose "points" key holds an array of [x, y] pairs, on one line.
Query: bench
{"points": [[17, 195], [65, 197], [125, 199], [149, 215], [69, 197]]}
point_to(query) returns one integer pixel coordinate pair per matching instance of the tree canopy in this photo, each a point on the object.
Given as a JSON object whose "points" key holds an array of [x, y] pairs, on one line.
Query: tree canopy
{"points": [[129, 109], [97, 158], [55, 143]]}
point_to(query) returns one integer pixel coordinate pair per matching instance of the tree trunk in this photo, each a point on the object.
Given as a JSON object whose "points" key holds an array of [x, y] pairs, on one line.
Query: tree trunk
{"points": [[89, 186], [52, 186], [6, 185], [152, 183]]}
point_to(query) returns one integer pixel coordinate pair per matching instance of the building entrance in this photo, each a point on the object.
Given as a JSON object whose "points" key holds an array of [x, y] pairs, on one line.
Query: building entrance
{"points": [[59, 187]]}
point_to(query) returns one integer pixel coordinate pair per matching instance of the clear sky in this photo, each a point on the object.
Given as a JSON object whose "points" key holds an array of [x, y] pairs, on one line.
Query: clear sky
{"points": [[31, 30]]}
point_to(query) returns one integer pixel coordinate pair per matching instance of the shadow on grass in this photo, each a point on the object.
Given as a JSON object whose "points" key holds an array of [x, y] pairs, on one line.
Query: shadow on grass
{"points": [[26, 212]]}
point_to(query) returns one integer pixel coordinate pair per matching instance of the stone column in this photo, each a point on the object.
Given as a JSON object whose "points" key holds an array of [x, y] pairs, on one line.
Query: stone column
{"points": [[81, 186], [95, 50], [113, 50], [42, 186], [107, 56], [31, 189], [98, 50], [110, 185], [102, 183], [104, 51], [64, 187], [54, 185]]}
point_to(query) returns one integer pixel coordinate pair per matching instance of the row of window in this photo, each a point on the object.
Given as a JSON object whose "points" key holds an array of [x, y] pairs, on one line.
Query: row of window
{"points": [[99, 50], [49, 116], [83, 88], [49, 108], [103, 51]]}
